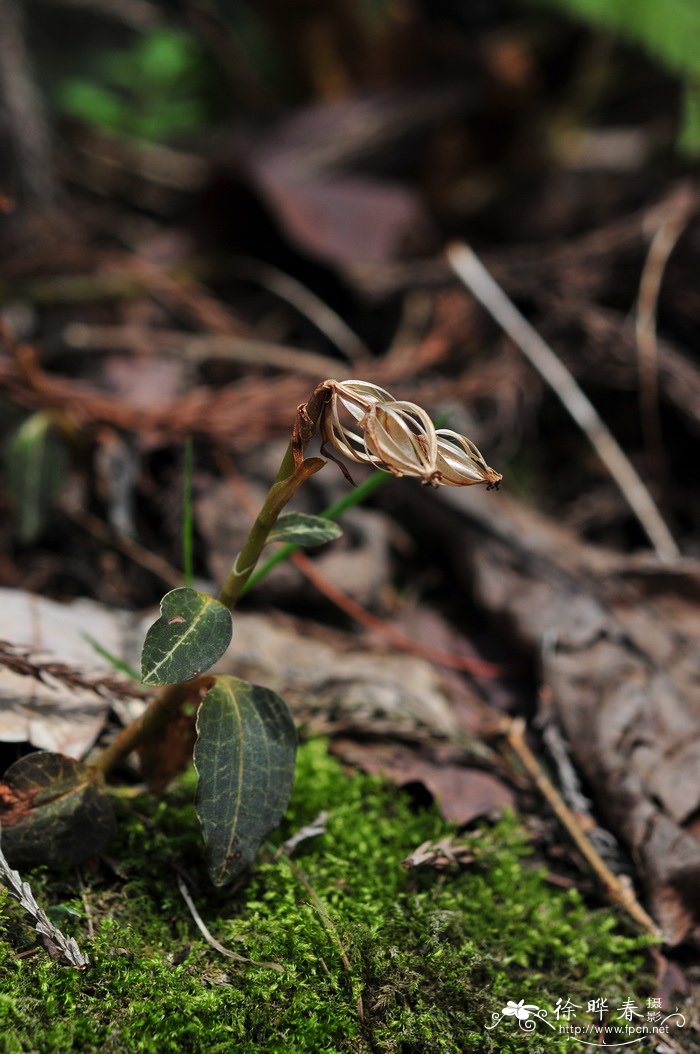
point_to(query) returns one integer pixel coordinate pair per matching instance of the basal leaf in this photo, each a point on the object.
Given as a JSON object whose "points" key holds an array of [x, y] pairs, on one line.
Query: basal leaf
{"points": [[53, 810], [244, 756], [193, 631], [300, 529], [36, 466]]}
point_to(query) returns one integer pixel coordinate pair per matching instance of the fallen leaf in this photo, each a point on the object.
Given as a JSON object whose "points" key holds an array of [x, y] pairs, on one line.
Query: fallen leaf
{"points": [[462, 794], [618, 642], [53, 811], [439, 855], [55, 690], [310, 172]]}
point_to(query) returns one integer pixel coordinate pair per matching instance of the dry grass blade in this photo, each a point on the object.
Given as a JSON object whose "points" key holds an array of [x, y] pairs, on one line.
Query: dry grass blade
{"points": [[477, 279], [210, 939], [61, 948]]}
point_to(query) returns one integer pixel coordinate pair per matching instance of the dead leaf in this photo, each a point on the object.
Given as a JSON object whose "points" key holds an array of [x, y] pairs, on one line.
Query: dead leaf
{"points": [[162, 759], [54, 811], [462, 794], [439, 855], [55, 690], [619, 640], [310, 172]]}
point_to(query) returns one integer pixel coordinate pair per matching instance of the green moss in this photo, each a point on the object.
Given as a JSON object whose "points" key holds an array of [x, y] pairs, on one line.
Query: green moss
{"points": [[431, 956]]}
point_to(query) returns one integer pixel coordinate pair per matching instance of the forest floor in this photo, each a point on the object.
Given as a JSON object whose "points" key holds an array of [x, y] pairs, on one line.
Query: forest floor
{"points": [[496, 692]]}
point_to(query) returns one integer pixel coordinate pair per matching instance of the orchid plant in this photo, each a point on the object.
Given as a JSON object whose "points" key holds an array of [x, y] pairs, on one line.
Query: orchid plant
{"points": [[246, 740]]}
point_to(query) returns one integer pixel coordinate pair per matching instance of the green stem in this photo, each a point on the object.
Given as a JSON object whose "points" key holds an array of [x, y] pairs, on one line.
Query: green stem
{"points": [[280, 493], [157, 715], [166, 704], [333, 512]]}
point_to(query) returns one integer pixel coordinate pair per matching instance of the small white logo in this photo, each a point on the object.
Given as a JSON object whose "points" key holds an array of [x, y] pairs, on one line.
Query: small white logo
{"points": [[600, 1025]]}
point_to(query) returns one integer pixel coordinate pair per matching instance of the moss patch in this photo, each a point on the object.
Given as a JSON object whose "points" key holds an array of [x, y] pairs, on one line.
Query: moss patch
{"points": [[431, 956]]}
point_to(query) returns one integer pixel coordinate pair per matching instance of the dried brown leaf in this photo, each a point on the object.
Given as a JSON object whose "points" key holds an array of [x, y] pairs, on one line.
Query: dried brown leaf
{"points": [[462, 794]]}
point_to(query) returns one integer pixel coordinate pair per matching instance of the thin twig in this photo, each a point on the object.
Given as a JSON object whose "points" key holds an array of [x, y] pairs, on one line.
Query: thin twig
{"points": [[22, 112], [130, 548], [675, 218], [307, 303], [199, 347], [476, 667], [477, 279], [211, 940], [617, 890]]}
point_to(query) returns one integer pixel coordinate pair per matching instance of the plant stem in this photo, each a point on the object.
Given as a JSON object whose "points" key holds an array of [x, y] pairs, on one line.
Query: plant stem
{"points": [[280, 493], [155, 717], [333, 512], [167, 702]]}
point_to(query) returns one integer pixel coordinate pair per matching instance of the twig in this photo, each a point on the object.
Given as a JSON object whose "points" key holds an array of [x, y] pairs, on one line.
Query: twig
{"points": [[132, 549], [61, 948], [21, 111], [199, 347], [211, 940], [674, 220], [305, 302], [617, 890], [477, 279], [476, 667]]}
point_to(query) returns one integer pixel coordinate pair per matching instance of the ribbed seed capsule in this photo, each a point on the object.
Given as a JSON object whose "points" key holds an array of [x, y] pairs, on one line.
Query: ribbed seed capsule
{"points": [[356, 397], [460, 463], [402, 437], [398, 437]]}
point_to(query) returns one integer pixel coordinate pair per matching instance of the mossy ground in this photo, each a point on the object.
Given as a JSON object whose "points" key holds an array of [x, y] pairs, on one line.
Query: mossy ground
{"points": [[432, 956]]}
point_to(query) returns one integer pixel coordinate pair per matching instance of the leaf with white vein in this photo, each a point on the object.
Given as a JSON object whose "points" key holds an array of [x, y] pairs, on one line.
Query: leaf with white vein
{"points": [[244, 757], [192, 633], [300, 529]]}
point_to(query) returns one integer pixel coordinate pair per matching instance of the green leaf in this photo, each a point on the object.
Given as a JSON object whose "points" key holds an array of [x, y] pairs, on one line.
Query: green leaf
{"points": [[690, 131], [53, 810], [244, 756], [300, 529], [37, 464], [669, 29], [193, 631]]}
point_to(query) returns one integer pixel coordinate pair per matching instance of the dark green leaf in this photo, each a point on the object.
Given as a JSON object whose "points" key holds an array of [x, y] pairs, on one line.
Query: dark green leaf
{"points": [[37, 464], [53, 810], [300, 529], [244, 756], [193, 631]]}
